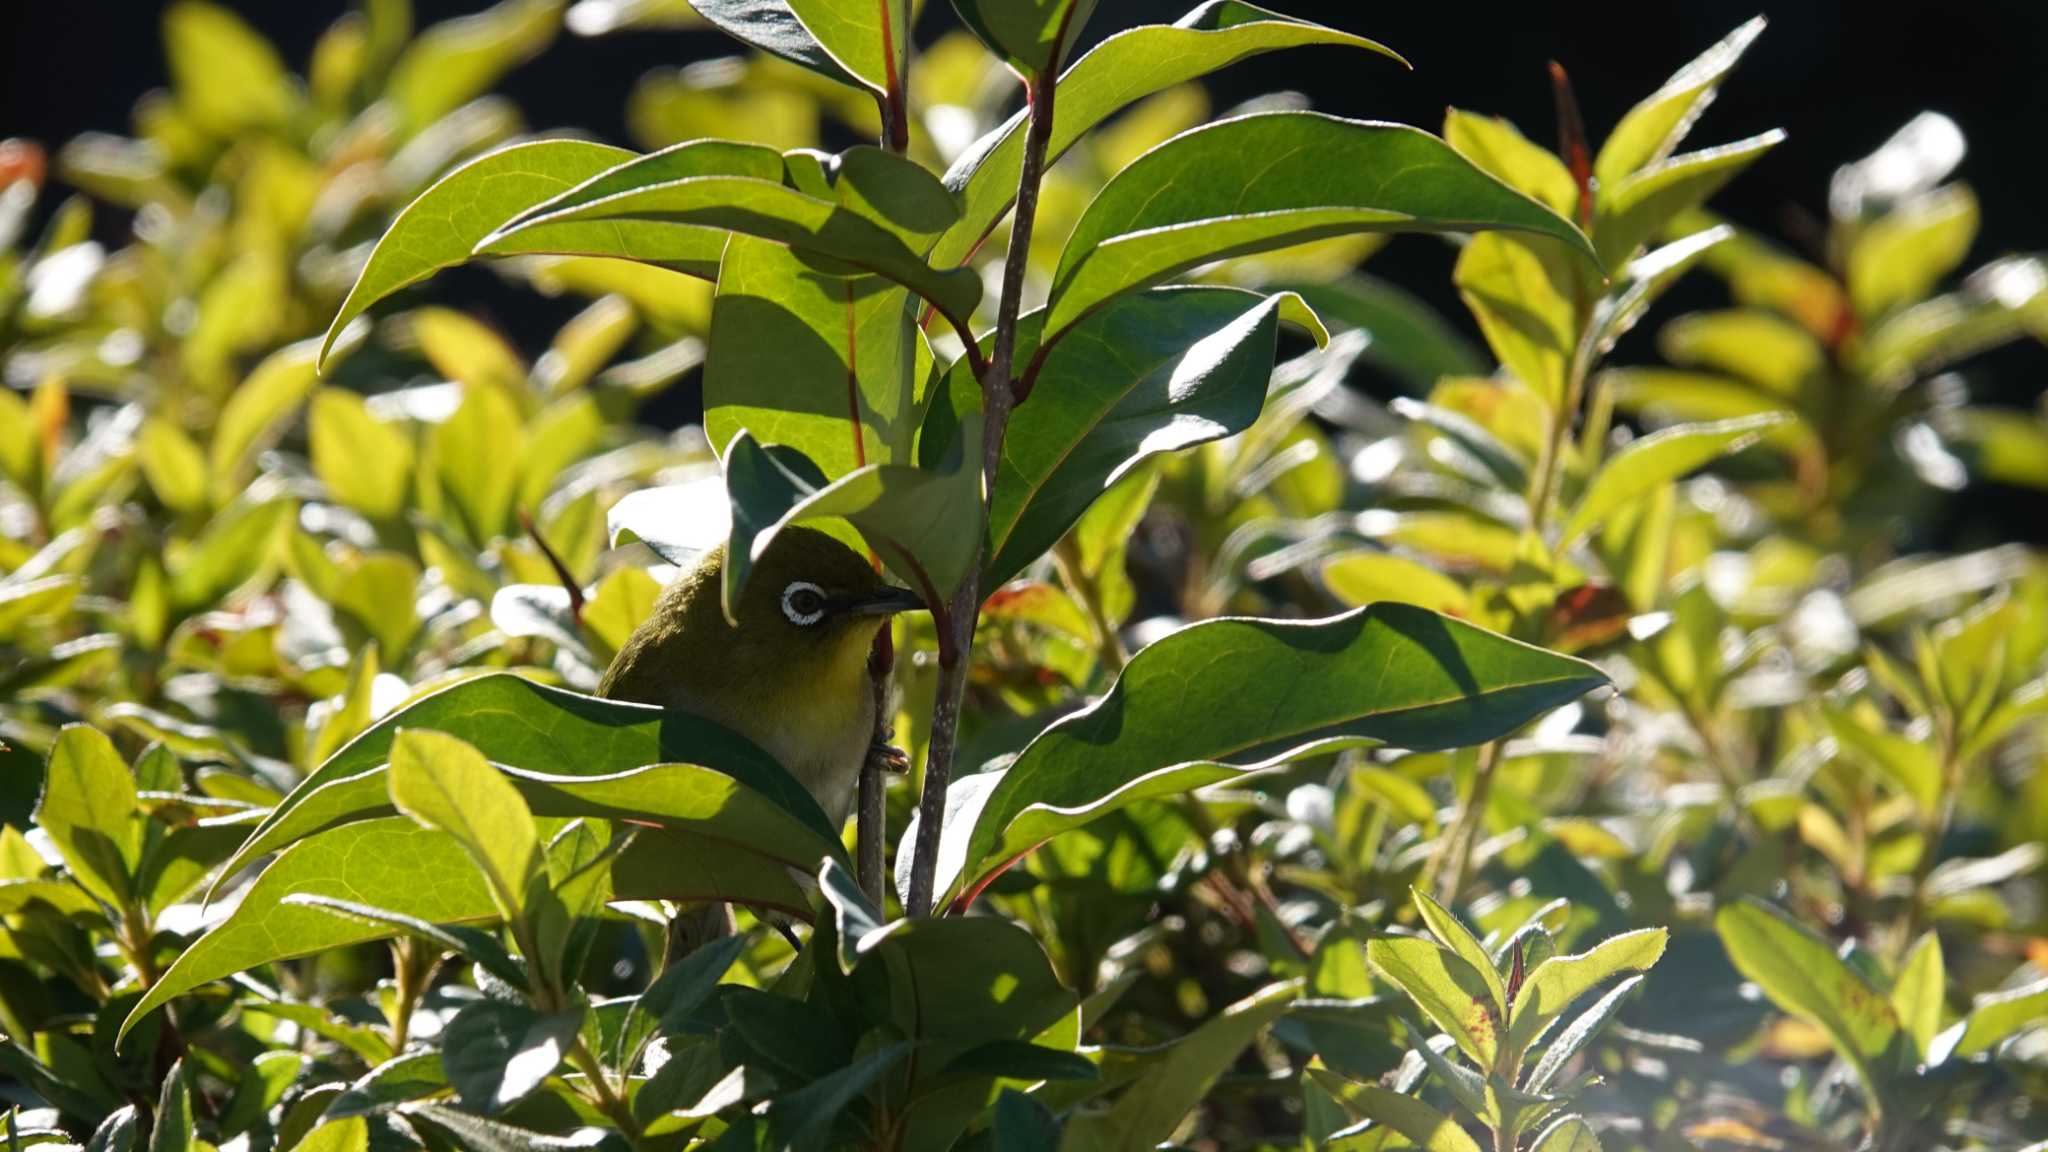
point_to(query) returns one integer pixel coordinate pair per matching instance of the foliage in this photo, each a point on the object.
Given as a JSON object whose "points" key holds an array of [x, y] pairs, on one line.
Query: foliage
{"points": [[1290, 768]]}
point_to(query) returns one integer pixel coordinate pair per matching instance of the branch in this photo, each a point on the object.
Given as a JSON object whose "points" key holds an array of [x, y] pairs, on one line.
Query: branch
{"points": [[998, 396]]}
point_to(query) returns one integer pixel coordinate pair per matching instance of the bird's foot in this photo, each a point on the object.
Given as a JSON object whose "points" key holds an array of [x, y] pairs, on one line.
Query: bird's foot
{"points": [[888, 757]]}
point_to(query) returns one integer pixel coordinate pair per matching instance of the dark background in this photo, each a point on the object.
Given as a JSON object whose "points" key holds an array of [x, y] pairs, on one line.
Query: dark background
{"points": [[1838, 75]]}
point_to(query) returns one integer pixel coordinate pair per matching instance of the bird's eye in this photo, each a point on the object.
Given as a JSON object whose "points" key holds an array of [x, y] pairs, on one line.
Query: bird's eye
{"points": [[803, 603]]}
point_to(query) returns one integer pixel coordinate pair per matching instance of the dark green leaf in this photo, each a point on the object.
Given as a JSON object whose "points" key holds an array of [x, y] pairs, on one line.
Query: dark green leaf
{"points": [[545, 731], [89, 810], [1390, 673], [397, 1081], [1154, 1105], [1030, 35], [772, 27], [173, 1128], [1271, 180], [874, 207], [471, 944], [441, 228], [1121, 70], [918, 520], [405, 868], [832, 367], [495, 1052], [1149, 373]]}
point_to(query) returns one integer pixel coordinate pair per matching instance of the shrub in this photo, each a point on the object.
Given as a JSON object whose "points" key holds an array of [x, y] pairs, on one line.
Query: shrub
{"points": [[1289, 768]]}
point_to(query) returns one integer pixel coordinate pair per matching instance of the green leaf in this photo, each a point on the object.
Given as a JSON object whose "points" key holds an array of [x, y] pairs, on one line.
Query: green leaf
{"points": [[238, 545], [227, 77], [1154, 1105], [350, 1134], [474, 456], [495, 1052], [444, 783], [256, 415], [441, 228], [1768, 350], [1803, 976], [1523, 292], [1509, 467], [1032, 36], [1150, 373], [1653, 129], [348, 713], [1408, 339], [773, 27], [1362, 577], [1646, 279], [173, 1127], [1567, 1134], [685, 985], [1900, 257], [472, 944], [682, 797], [1421, 1125], [457, 60], [539, 730], [89, 811], [1635, 209], [365, 462], [921, 522], [1121, 70], [692, 250], [803, 1120], [173, 465], [361, 1039], [390, 863], [399, 1080], [870, 39], [1268, 181], [1456, 996], [1022, 1124], [178, 862], [1911, 765], [1920, 993], [1993, 1019], [1452, 934], [691, 869], [1578, 1034], [479, 1134], [833, 368], [1497, 146], [874, 205], [1654, 461], [1390, 673], [1552, 986], [381, 593]]}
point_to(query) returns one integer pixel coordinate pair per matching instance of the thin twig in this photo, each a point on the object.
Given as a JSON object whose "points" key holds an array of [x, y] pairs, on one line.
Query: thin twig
{"points": [[998, 392]]}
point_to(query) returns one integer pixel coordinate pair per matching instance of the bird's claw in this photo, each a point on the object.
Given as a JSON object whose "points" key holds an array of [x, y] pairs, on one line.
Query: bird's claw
{"points": [[888, 757]]}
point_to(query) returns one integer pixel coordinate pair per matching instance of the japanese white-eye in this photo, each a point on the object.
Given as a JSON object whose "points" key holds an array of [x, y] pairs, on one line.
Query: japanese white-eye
{"points": [[792, 674]]}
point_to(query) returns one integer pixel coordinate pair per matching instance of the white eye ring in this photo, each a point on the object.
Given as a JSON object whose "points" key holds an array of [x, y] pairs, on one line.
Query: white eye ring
{"points": [[797, 616]]}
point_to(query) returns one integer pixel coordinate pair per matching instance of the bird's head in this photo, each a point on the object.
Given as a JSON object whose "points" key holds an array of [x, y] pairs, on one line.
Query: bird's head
{"points": [[810, 587], [804, 623]]}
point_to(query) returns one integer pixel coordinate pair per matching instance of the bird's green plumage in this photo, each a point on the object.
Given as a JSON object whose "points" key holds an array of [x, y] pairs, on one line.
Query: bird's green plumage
{"points": [[803, 693]]}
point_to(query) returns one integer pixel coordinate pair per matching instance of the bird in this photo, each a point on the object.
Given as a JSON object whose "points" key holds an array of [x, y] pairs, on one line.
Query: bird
{"points": [[790, 671]]}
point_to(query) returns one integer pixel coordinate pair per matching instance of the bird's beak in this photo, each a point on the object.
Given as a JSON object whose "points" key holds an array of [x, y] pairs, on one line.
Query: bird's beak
{"points": [[884, 601]]}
